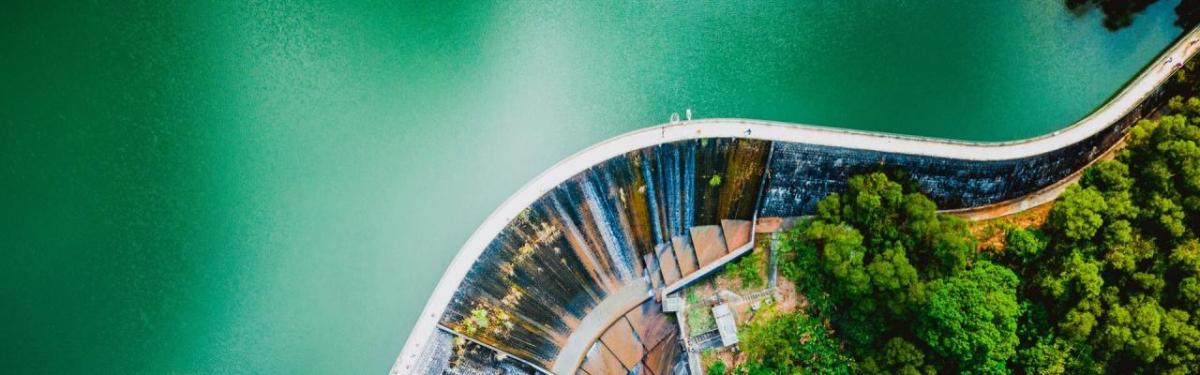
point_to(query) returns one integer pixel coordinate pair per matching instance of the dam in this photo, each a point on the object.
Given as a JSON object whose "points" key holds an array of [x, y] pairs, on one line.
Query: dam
{"points": [[278, 187], [566, 276]]}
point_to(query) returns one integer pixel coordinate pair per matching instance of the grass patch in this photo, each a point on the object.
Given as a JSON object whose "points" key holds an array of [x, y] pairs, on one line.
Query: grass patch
{"points": [[692, 297], [748, 270], [700, 320]]}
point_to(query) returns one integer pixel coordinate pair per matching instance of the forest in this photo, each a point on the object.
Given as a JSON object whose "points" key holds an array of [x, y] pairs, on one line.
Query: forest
{"points": [[1109, 283]]}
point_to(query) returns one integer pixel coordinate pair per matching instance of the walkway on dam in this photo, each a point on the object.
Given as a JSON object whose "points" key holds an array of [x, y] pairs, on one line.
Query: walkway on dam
{"points": [[1137, 90], [713, 246], [596, 321]]}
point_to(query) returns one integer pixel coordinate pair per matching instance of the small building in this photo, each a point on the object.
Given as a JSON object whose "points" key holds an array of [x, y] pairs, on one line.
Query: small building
{"points": [[672, 303], [726, 324]]}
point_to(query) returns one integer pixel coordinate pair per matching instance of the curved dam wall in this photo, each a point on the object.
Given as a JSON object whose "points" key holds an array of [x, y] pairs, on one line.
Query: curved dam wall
{"points": [[590, 237], [802, 174], [642, 211]]}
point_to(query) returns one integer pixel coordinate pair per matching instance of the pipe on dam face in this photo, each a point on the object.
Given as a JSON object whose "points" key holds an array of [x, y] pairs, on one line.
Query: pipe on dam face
{"points": [[582, 228]]}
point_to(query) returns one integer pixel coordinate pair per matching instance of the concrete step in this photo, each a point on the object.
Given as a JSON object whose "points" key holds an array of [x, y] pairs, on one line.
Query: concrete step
{"points": [[667, 264], [652, 271], [709, 243], [737, 233], [684, 254], [623, 342]]}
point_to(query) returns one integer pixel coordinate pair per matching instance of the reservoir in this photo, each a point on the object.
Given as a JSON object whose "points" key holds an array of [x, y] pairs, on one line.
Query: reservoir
{"points": [[277, 186]]}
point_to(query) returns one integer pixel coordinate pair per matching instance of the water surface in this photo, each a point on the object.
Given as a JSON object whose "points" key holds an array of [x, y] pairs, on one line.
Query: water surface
{"points": [[277, 186]]}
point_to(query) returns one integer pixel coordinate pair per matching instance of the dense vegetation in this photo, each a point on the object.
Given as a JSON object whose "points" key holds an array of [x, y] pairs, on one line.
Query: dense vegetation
{"points": [[789, 344], [1112, 281], [900, 284], [1110, 284], [1120, 13], [748, 270]]}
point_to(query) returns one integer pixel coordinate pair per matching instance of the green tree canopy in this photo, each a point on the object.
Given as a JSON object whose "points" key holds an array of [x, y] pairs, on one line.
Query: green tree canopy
{"points": [[866, 261], [971, 318], [1110, 284], [1114, 287], [791, 343]]}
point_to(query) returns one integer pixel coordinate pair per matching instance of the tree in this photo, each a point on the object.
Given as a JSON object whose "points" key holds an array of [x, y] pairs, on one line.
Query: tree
{"points": [[1110, 284], [971, 318], [747, 270], [865, 261], [1025, 244], [898, 357], [1118, 14], [791, 343], [1115, 285], [1078, 213], [716, 369], [1047, 356]]}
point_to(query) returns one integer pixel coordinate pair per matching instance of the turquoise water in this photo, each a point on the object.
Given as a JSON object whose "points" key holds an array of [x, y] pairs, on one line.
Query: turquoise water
{"points": [[277, 186]]}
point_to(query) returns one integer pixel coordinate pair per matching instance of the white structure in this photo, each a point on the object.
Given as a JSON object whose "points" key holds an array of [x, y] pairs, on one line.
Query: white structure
{"points": [[726, 324], [672, 303]]}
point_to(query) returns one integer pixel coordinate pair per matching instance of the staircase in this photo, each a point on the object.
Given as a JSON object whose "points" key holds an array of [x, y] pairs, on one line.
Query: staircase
{"points": [[704, 248]]}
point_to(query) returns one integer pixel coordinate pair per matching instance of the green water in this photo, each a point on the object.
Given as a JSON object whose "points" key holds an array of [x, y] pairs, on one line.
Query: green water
{"points": [[277, 187]]}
